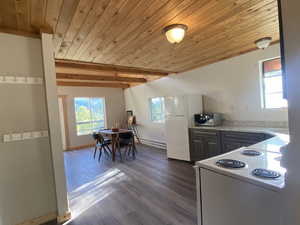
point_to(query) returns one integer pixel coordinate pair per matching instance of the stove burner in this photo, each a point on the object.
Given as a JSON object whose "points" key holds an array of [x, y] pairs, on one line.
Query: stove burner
{"points": [[230, 163], [249, 152], [264, 173]]}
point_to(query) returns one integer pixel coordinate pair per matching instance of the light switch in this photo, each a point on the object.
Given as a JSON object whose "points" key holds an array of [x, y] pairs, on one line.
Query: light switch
{"points": [[26, 135], [6, 138], [1, 79], [16, 137]]}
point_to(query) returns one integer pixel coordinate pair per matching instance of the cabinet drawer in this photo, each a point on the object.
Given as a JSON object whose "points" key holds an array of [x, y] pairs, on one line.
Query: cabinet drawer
{"points": [[201, 132], [256, 137], [229, 145]]}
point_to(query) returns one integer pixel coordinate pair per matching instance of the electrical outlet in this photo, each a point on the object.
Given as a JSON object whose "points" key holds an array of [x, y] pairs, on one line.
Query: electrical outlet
{"points": [[16, 137], [26, 135], [6, 138], [10, 79]]}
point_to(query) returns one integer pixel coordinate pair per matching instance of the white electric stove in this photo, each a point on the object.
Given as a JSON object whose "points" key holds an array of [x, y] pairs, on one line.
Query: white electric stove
{"points": [[242, 186]]}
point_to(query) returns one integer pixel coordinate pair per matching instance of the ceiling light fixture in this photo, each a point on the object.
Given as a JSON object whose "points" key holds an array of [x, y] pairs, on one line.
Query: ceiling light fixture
{"points": [[263, 42], [175, 32]]}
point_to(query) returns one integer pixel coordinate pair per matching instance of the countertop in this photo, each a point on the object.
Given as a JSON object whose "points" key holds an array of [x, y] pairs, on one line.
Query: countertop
{"points": [[272, 131], [270, 159]]}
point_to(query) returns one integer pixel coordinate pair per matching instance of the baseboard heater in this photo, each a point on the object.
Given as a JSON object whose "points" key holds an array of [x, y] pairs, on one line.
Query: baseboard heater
{"points": [[153, 143]]}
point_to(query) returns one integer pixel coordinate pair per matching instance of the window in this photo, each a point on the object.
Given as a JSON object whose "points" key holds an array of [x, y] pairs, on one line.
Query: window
{"points": [[272, 84], [90, 115], [157, 109]]}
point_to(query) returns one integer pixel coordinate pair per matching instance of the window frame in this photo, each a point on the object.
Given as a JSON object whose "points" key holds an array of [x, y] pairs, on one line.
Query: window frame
{"points": [[162, 109], [262, 84], [86, 122]]}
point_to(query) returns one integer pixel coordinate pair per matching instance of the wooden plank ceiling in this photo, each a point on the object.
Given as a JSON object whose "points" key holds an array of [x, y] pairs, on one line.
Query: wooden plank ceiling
{"points": [[122, 40]]}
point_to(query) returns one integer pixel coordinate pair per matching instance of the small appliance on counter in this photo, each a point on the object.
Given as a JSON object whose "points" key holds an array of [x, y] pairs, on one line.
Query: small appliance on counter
{"points": [[208, 119]]}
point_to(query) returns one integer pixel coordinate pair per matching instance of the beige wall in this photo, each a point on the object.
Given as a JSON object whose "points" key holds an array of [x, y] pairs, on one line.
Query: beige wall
{"points": [[114, 102], [26, 175], [231, 87]]}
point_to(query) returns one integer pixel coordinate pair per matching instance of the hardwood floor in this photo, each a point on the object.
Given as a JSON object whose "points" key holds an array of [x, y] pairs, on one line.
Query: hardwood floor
{"points": [[150, 190]]}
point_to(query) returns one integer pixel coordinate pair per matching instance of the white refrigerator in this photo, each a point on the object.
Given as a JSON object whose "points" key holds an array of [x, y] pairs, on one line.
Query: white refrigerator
{"points": [[180, 111]]}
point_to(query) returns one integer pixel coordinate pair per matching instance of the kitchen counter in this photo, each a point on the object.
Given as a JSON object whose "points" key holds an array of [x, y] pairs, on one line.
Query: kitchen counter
{"points": [[272, 131], [270, 158]]}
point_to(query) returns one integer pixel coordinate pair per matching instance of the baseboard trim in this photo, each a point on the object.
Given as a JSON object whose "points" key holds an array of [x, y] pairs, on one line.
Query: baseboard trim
{"points": [[154, 143], [67, 216], [79, 147], [40, 220]]}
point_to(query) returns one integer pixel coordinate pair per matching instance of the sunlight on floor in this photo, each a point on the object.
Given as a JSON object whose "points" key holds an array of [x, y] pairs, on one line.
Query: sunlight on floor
{"points": [[89, 194]]}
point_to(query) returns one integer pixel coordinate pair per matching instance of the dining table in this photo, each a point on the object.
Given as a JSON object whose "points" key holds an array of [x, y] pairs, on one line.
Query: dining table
{"points": [[114, 135]]}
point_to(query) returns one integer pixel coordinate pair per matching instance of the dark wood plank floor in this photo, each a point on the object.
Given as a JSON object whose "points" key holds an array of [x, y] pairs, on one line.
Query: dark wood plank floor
{"points": [[150, 190]]}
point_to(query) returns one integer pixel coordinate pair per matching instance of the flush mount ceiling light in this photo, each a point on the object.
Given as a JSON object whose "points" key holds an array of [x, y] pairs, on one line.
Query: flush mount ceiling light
{"points": [[175, 32], [263, 42]]}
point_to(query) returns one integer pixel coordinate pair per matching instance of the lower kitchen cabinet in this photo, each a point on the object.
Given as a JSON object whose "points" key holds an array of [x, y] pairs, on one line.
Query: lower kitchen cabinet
{"points": [[232, 140], [197, 149], [212, 147], [206, 143]]}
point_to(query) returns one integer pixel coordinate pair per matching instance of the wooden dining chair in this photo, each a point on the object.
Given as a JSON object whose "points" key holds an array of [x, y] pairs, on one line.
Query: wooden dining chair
{"points": [[102, 144]]}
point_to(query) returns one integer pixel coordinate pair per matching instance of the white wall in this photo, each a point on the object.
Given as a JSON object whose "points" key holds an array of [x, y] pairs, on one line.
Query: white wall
{"points": [[26, 175], [115, 109], [231, 87]]}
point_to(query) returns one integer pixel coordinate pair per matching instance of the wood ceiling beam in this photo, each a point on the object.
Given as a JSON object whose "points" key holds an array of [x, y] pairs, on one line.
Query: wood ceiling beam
{"points": [[107, 68], [99, 78], [82, 71], [20, 32], [91, 84]]}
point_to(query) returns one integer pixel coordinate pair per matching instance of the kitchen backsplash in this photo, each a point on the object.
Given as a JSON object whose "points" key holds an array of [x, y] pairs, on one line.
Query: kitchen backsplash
{"points": [[268, 124]]}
